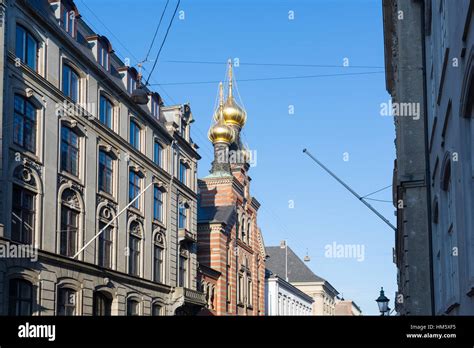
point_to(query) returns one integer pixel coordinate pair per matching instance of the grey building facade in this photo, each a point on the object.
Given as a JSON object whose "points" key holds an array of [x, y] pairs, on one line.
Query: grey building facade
{"points": [[439, 37], [79, 156], [404, 79]]}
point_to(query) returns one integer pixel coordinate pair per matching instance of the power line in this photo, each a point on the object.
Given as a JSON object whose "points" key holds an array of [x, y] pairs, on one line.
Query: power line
{"points": [[269, 78], [383, 188], [279, 64], [378, 200], [163, 43], [156, 31]]}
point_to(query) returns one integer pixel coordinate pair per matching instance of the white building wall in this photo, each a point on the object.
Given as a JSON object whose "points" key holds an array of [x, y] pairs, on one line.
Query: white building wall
{"points": [[284, 299]]}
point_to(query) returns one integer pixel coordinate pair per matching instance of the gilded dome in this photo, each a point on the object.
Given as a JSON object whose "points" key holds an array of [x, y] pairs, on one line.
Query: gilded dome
{"points": [[220, 132], [233, 114]]}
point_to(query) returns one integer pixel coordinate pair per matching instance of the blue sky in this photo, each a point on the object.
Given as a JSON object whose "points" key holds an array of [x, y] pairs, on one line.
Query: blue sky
{"points": [[332, 115]]}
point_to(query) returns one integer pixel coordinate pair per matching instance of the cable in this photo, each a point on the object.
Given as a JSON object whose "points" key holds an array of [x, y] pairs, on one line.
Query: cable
{"points": [[370, 194], [156, 31], [270, 78], [378, 200], [280, 64], [163, 43]]}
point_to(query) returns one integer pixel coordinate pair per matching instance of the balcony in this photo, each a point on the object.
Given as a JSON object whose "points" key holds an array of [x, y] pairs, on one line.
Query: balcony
{"points": [[184, 234], [191, 296]]}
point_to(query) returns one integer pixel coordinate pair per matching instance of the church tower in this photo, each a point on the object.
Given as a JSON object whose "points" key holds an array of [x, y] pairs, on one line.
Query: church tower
{"points": [[231, 252]]}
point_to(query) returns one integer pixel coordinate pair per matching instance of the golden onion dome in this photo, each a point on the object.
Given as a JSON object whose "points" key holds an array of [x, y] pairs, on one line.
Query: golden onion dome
{"points": [[233, 114], [221, 133]]}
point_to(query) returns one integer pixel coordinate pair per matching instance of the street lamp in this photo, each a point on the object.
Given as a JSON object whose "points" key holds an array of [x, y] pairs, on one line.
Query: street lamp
{"points": [[382, 301], [283, 245]]}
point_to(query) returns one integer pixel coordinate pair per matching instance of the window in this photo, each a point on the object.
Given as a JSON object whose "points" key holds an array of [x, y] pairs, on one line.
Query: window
{"points": [[134, 189], [26, 47], [69, 231], [70, 83], [183, 268], [157, 204], [68, 20], [69, 151], [158, 262], [23, 215], [249, 291], [20, 301], [183, 219], [240, 289], [135, 135], [105, 172], [105, 245], [155, 108], [66, 302], [158, 154], [132, 307], [102, 304], [103, 57], [106, 112], [24, 123], [183, 129], [131, 84], [182, 172], [134, 255], [156, 310]]}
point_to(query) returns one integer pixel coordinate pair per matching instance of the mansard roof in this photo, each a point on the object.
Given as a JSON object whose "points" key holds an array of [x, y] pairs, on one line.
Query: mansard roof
{"points": [[297, 270]]}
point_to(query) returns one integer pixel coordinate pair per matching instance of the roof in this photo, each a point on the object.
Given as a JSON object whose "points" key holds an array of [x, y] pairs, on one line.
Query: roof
{"points": [[297, 270], [222, 214]]}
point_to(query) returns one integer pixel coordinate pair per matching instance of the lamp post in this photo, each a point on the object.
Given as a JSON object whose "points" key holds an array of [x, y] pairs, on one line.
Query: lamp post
{"points": [[382, 301], [283, 245]]}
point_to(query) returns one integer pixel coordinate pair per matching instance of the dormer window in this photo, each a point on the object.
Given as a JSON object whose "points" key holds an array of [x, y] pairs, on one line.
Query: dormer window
{"points": [[155, 105], [102, 49], [103, 57], [131, 84], [68, 20]]}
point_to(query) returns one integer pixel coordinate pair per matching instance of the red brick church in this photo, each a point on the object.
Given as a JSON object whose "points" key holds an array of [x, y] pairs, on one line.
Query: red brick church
{"points": [[231, 252]]}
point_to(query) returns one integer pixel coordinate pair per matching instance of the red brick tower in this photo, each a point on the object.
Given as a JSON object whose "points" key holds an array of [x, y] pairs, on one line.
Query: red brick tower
{"points": [[231, 252]]}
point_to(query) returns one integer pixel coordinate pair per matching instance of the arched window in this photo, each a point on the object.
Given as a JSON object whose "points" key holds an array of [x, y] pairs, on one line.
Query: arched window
{"points": [[69, 151], [133, 307], [249, 229], [23, 215], [69, 232], [158, 255], [449, 234], [24, 123], [102, 304], [105, 244], [242, 231], [26, 47], [106, 114], [66, 301], [135, 235], [156, 310], [20, 297], [70, 83]]}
